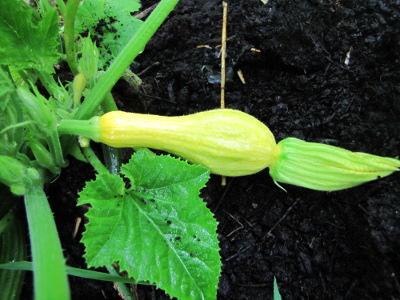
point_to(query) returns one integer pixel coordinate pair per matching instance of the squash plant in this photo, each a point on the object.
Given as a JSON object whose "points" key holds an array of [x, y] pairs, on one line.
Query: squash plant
{"points": [[146, 216], [32, 153]]}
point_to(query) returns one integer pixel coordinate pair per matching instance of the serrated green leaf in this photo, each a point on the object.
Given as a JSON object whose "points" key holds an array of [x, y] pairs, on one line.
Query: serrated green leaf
{"points": [[28, 41], [159, 230], [104, 188], [110, 22]]}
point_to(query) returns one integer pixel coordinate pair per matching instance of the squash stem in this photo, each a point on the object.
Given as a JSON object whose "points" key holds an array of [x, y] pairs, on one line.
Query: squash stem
{"points": [[86, 128]]}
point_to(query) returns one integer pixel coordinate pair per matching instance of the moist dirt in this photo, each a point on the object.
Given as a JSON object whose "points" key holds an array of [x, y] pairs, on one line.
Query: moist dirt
{"points": [[322, 71]]}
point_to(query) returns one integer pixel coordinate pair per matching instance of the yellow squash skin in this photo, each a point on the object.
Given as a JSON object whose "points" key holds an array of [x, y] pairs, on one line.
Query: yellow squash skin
{"points": [[228, 142]]}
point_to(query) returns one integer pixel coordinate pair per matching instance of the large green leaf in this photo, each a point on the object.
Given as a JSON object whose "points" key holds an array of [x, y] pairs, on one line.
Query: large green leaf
{"points": [[28, 40], [109, 23], [158, 229]]}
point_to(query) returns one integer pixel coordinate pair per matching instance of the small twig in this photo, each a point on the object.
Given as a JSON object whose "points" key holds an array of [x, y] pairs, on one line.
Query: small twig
{"points": [[223, 53], [240, 227], [333, 254], [224, 194], [156, 98], [146, 12], [238, 253], [148, 68], [223, 69], [280, 220], [78, 221], [241, 77], [259, 285], [350, 289]]}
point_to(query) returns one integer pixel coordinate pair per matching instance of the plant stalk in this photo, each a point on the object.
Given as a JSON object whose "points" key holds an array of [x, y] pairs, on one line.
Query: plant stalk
{"points": [[86, 128], [69, 33], [50, 277], [62, 7], [94, 160]]}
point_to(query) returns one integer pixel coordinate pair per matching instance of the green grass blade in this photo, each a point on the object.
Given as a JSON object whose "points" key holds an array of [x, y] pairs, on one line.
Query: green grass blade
{"points": [[89, 274]]}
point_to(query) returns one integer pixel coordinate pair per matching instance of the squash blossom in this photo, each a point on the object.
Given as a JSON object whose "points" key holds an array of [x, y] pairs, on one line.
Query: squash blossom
{"points": [[232, 143]]}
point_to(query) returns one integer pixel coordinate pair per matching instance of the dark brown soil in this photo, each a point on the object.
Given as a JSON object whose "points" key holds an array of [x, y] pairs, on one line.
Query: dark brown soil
{"points": [[338, 245]]}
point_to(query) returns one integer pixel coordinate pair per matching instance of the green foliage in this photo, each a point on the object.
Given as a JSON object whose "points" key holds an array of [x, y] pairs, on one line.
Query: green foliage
{"points": [[12, 241], [12, 117], [110, 23], [167, 233], [6, 89], [277, 295], [28, 39], [157, 228]]}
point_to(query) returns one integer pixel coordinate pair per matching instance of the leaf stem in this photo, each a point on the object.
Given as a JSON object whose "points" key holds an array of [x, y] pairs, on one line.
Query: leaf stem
{"points": [[94, 160], [56, 149], [69, 33], [61, 6], [109, 104], [50, 277]]}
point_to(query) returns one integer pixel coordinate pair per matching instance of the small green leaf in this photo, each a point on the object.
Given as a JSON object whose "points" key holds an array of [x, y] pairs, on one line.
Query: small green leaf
{"points": [[110, 22], [159, 230], [28, 41]]}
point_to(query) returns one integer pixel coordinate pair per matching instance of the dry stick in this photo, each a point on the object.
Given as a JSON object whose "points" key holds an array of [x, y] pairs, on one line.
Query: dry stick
{"points": [[223, 69], [223, 195], [78, 222], [223, 53], [146, 12], [280, 220]]}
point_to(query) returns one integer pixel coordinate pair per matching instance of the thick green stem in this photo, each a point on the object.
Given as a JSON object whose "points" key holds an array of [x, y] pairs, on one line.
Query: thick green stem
{"points": [[109, 104], [50, 277], [69, 34], [86, 128], [125, 58]]}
